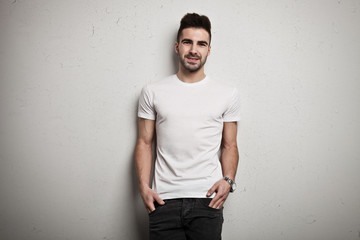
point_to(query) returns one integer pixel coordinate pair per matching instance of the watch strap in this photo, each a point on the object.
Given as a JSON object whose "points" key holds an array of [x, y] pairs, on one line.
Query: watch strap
{"points": [[231, 182]]}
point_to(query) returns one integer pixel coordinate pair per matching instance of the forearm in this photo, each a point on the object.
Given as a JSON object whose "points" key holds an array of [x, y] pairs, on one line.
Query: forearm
{"points": [[229, 160], [143, 163]]}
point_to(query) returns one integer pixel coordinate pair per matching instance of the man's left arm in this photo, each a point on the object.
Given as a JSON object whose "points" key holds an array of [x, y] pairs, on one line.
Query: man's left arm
{"points": [[229, 162]]}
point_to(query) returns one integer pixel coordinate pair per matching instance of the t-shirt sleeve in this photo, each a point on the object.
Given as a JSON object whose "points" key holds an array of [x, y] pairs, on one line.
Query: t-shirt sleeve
{"points": [[146, 104], [232, 113]]}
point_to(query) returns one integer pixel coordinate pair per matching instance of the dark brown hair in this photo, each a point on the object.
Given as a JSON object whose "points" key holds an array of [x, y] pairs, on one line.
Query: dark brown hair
{"points": [[194, 20]]}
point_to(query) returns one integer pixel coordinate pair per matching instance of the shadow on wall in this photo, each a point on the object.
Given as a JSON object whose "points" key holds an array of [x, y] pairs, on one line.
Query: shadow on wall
{"points": [[174, 56]]}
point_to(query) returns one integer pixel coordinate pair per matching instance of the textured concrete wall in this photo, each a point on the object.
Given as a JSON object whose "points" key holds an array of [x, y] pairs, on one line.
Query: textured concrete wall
{"points": [[71, 73]]}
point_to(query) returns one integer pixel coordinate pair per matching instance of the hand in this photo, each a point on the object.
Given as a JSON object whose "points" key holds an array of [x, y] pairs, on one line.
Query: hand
{"points": [[222, 189], [149, 196]]}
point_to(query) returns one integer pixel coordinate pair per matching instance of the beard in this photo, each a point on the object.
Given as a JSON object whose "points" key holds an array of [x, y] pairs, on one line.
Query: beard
{"points": [[192, 67]]}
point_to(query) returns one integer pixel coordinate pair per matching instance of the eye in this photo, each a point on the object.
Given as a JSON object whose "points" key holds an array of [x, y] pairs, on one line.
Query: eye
{"points": [[186, 42]]}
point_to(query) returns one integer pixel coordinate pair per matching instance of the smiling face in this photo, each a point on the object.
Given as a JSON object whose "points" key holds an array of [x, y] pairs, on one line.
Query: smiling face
{"points": [[193, 48]]}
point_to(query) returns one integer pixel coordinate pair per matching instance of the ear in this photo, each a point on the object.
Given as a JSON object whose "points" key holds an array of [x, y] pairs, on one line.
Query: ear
{"points": [[209, 50], [176, 47]]}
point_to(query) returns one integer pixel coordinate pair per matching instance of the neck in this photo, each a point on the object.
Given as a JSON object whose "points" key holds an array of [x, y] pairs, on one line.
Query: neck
{"points": [[190, 77]]}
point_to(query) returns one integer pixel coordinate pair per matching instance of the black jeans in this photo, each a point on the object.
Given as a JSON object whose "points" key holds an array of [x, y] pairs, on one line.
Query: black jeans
{"points": [[186, 219]]}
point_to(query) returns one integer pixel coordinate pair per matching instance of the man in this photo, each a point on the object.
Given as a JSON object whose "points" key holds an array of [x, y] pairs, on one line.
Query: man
{"points": [[196, 150]]}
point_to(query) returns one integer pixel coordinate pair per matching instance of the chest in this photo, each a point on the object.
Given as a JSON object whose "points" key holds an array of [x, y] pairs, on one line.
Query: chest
{"points": [[190, 104]]}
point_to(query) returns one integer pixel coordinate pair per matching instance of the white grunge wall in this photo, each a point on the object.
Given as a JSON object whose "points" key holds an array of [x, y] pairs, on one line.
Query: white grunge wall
{"points": [[70, 76]]}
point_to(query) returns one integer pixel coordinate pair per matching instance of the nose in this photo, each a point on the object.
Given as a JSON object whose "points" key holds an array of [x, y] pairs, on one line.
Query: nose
{"points": [[193, 49]]}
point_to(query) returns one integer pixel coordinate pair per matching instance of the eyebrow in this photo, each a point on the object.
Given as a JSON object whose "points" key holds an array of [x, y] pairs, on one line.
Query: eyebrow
{"points": [[189, 40], [203, 42], [186, 40]]}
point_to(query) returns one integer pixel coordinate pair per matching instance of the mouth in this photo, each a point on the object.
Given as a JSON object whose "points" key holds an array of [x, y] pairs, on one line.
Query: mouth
{"points": [[192, 59]]}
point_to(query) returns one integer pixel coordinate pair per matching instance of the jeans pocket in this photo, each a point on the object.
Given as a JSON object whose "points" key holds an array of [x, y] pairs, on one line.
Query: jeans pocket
{"points": [[205, 203], [157, 207]]}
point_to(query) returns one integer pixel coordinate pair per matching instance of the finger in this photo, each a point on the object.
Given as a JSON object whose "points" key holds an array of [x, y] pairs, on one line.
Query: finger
{"points": [[158, 199], [219, 204], [220, 201], [214, 200], [150, 206]]}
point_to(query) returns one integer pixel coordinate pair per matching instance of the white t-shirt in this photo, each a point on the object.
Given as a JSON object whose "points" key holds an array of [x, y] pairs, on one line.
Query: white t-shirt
{"points": [[189, 123]]}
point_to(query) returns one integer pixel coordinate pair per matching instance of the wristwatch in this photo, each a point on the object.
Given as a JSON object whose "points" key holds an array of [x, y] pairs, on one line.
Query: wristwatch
{"points": [[232, 184]]}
